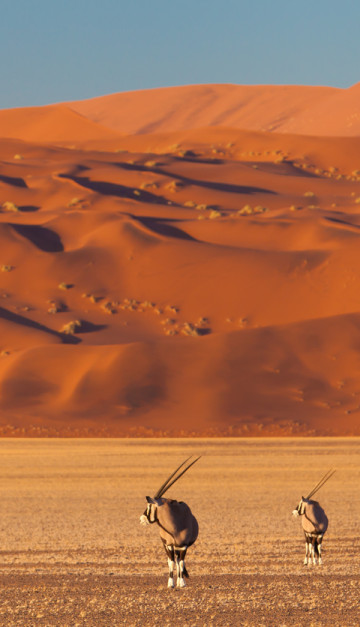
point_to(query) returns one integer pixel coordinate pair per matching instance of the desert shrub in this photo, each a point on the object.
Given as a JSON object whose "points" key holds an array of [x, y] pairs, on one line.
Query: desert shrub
{"points": [[172, 308], [202, 322], [6, 268], [186, 153], [174, 186], [170, 331], [309, 194], [65, 286], [189, 329], [10, 206], [149, 185], [71, 327], [215, 214], [167, 321], [109, 307], [74, 201], [245, 211]]}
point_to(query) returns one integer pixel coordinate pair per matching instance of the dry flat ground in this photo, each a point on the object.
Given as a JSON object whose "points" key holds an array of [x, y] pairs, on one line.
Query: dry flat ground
{"points": [[73, 552]]}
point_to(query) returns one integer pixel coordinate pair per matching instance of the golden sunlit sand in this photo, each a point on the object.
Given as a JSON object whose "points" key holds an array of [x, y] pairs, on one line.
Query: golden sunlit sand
{"points": [[170, 275], [73, 551]]}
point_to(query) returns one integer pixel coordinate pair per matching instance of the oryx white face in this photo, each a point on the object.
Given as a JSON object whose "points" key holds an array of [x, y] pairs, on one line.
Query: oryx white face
{"points": [[144, 519], [149, 515], [299, 511]]}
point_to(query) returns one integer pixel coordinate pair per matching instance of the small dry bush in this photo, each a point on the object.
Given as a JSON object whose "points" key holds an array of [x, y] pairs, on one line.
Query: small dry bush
{"points": [[247, 210], [172, 308], [149, 185], [174, 186], [71, 327], [92, 297], [109, 307], [74, 202], [190, 329], [214, 214], [65, 286], [10, 206], [6, 268]]}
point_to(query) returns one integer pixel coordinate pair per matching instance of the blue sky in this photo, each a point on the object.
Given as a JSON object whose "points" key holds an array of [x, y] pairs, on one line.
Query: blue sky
{"points": [[58, 50]]}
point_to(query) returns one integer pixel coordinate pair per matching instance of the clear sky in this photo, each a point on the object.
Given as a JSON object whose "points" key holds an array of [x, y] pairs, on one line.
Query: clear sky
{"points": [[59, 50]]}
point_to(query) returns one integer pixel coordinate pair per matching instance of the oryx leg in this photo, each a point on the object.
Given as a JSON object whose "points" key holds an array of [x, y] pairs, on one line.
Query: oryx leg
{"points": [[169, 549], [181, 571], [307, 549], [306, 552], [319, 542], [313, 550]]}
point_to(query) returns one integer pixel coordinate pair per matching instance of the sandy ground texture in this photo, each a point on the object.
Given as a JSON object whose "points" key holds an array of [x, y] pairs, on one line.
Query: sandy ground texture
{"points": [[172, 264], [73, 551]]}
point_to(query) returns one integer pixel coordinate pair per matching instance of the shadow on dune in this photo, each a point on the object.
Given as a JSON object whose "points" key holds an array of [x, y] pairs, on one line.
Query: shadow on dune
{"points": [[115, 189], [162, 228], [89, 327], [28, 208], [219, 187], [43, 238], [13, 180], [5, 314]]}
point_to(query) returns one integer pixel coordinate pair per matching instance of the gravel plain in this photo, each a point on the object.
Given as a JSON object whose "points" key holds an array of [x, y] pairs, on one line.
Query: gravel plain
{"points": [[73, 552]]}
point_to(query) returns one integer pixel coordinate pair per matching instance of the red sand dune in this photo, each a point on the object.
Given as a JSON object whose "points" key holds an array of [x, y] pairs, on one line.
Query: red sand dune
{"points": [[202, 278], [282, 108]]}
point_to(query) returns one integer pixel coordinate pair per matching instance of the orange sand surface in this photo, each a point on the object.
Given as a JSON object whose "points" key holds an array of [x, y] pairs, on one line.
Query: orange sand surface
{"points": [[182, 261]]}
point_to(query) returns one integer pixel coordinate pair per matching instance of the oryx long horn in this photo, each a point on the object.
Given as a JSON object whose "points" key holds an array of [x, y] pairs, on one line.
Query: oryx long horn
{"points": [[168, 485], [322, 481], [163, 487]]}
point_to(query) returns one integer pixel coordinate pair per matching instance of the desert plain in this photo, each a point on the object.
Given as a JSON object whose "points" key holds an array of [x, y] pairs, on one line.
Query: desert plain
{"points": [[73, 551]]}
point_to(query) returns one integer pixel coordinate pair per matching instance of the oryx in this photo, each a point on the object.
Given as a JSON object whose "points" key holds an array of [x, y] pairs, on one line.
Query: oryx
{"points": [[314, 522], [177, 525]]}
